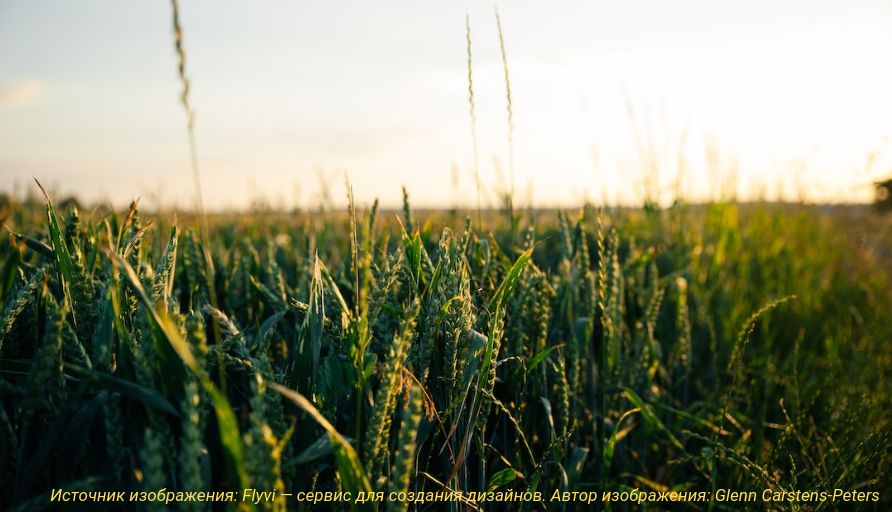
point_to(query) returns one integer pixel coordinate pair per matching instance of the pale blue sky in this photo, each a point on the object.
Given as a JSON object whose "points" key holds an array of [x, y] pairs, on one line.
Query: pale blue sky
{"points": [[794, 95]]}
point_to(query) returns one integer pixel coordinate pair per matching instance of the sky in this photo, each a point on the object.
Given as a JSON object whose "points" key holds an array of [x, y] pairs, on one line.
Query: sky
{"points": [[612, 102]]}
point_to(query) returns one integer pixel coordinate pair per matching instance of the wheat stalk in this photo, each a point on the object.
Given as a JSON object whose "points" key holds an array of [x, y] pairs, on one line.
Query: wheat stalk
{"points": [[404, 457], [473, 115], [376, 438], [510, 117]]}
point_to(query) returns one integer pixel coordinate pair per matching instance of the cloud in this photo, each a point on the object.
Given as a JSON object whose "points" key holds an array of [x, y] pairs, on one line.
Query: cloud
{"points": [[23, 93]]}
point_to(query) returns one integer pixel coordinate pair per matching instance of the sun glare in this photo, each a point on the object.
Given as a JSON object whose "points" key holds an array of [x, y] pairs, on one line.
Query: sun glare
{"points": [[610, 104]]}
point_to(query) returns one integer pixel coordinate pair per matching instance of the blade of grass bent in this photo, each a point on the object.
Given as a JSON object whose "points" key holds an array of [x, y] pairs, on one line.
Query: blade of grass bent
{"points": [[610, 447], [169, 366], [147, 396], [349, 465], [652, 419], [494, 308], [168, 339], [509, 281], [33, 244]]}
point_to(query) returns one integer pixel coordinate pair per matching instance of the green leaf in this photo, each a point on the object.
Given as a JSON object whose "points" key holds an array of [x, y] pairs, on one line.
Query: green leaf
{"points": [[501, 478], [509, 281], [14, 367], [309, 346], [146, 396], [576, 466], [268, 329], [652, 419], [616, 436], [476, 348], [414, 251], [534, 362], [34, 244], [77, 436], [349, 466], [332, 376], [501, 257], [168, 365], [495, 309], [413, 258], [50, 439], [320, 448], [128, 248], [64, 266]]}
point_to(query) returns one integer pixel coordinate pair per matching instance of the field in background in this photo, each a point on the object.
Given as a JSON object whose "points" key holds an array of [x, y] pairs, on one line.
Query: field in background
{"points": [[696, 348]]}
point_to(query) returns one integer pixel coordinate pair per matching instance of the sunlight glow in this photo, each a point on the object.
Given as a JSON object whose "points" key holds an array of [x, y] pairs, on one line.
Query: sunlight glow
{"points": [[612, 102]]}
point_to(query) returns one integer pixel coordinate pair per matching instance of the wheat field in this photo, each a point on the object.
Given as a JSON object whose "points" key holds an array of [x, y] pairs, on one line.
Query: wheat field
{"points": [[698, 349]]}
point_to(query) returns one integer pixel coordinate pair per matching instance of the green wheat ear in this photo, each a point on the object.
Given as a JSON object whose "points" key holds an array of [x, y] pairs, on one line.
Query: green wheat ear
{"points": [[152, 456], [46, 385], [15, 307], [376, 438], [404, 458], [115, 428], [264, 454], [191, 446]]}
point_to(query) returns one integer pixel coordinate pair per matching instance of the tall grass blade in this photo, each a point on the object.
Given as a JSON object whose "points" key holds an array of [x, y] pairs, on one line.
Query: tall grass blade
{"points": [[652, 419], [62, 258], [348, 462]]}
